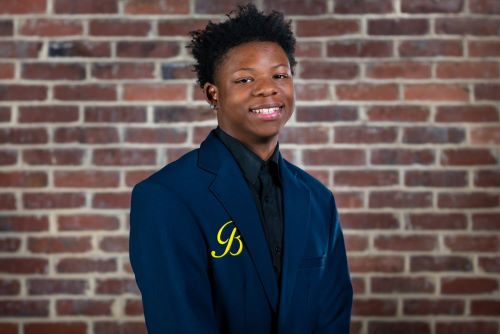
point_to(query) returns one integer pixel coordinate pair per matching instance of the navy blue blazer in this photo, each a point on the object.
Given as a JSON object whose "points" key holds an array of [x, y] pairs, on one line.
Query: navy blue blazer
{"points": [[202, 263]]}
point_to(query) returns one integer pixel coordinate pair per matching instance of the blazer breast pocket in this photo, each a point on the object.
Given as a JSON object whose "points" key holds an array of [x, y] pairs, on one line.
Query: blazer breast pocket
{"points": [[312, 262]]}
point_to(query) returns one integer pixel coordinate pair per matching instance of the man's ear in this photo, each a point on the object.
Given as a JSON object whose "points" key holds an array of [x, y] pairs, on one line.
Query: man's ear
{"points": [[211, 93]]}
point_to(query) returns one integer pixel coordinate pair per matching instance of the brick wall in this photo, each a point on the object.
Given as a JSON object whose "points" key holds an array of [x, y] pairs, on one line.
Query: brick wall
{"points": [[397, 112]]}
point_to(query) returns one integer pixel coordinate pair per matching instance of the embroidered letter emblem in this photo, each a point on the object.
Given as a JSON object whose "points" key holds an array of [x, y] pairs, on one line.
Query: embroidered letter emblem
{"points": [[228, 242]]}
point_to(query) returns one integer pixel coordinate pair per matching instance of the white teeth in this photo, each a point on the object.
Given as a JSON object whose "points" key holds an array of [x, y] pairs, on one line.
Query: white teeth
{"points": [[266, 110]]}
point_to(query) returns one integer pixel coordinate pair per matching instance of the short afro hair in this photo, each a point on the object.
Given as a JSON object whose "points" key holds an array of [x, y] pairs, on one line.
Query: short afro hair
{"points": [[248, 24]]}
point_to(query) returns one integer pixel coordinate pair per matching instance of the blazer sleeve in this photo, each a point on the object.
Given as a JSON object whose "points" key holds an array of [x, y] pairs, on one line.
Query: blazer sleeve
{"points": [[336, 297], [169, 258]]}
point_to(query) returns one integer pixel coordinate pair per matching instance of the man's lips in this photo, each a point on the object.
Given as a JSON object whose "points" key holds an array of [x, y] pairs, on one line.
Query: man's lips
{"points": [[268, 109]]}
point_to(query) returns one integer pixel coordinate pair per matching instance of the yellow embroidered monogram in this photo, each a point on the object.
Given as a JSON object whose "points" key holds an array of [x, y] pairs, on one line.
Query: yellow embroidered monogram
{"points": [[228, 242]]}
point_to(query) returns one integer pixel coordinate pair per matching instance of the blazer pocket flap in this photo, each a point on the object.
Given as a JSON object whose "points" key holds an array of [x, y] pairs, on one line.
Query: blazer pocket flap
{"points": [[313, 262]]}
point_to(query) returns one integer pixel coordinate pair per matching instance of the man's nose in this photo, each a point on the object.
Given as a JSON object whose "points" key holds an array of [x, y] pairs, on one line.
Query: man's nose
{"points": [[265, 87]]}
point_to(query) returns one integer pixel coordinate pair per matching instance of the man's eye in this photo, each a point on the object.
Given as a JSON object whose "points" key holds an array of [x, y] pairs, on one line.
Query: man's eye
{"points": [[281, 76], [244, 80]]}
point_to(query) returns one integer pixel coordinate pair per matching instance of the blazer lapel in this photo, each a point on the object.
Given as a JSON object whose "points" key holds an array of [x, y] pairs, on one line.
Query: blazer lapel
{"points": [[231, 189], [296, 200]]}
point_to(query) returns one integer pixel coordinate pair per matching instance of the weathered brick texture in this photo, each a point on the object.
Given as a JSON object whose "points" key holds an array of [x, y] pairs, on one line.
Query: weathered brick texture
{"points": [[397, 112]]}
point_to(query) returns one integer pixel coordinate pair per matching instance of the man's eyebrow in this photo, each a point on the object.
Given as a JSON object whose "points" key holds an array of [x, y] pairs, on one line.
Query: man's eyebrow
{"points": [[253, 69]]}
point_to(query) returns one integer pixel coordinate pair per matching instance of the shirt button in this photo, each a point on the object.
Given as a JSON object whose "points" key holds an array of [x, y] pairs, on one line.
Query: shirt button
{"points": [[277, 250]]}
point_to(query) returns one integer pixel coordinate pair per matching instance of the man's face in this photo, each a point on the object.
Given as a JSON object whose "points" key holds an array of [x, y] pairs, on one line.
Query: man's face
{"points": [[254, 92]]}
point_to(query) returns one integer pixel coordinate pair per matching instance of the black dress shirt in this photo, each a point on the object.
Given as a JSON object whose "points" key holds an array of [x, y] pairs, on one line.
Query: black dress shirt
{"points": [[263, 179]]}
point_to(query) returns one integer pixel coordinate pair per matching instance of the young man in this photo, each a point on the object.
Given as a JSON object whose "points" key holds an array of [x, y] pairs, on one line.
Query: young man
{"points": [[231, 238]]}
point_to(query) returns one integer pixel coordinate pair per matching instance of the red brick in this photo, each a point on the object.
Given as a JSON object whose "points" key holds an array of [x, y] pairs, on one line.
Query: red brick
{"points": [[23, 223], [85, 7], [309, 50], [154, 92], [182, 27], [379, 263], [349, 199], [405, 70], [24, 265], [440, 263], [53, 200], [402, 157], [53, 245], [436, 221], [484, 6], [467, 26], [369, 92], [51, 71], [436, 92], [114, 286], [175, 153], [8, 157], [355, 243], [436, 135], [394, 284], [304, 135], [398, 27], [23, 179], [88, 222], [360, 178], [134, 177], [9, 245], [487, 178], [487, 135], [123, 157], [359, 48], [490, 264], [334, 157], [364, 134], [23, 7], [358, 285], [464, 157], [400, 199], [86, 92], [53, 157], [366, 221], [485, 307], [331, 113], [398, 113], [86, 179], [24, 136], [177, 70], [363, 6], [114, 244], [431, 6], [462, 327], [437, 178], [397, 326], [14, 92], [470, 243], [328, 70], [50, 27], [156, 135], [19, 49], [486, 221], [38, 286], [433, 307], [48, 114], [430, 48], [133, 307], [147, 49], [484, 49], [405, 242], [119, 27], [311, 92], [24, 308], [115, 71], [468, 200], [83, 48], [84, 307], [487, 92], [156, 7], [374, 307], [326, 27], [102, 327], [86, 135], [6, 28], [55, 328], [86, 265], [469, 70], [296, 7], [7, 71], [466, 114], [7, 202], [111, 200], [9, 287], [173, 114], [465, 285], [115, 114]]}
